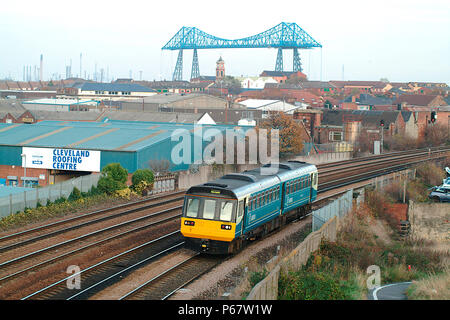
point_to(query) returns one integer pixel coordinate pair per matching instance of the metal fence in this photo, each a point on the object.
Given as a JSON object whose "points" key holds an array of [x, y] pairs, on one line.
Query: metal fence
{"points": [[338, 207], [164, 184], [29, 199]]}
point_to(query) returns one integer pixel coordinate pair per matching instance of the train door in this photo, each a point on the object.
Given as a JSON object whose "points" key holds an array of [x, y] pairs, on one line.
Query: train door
{"points": [[313, 187], [283, 195], [240, 217]]}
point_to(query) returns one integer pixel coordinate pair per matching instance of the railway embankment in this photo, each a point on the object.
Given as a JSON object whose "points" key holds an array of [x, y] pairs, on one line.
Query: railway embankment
{"points": [[369, 238]]}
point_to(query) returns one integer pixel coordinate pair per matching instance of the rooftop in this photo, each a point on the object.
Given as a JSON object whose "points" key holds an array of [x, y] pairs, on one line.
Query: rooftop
{"points": [[109, 135], [65, 102], [120, 87]]}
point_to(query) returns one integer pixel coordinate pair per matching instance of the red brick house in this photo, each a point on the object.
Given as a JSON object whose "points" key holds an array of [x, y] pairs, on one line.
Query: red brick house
{"points": [[348, 87], [282, 76], [421, 100], [26, 117], [309, 117]]}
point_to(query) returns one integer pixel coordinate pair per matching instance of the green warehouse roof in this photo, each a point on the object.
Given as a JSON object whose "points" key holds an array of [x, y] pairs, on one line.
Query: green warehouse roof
{"points": [[112, 135]]}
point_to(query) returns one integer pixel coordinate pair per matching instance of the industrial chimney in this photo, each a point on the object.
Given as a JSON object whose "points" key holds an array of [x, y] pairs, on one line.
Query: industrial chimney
{"points": [[41, 67]]}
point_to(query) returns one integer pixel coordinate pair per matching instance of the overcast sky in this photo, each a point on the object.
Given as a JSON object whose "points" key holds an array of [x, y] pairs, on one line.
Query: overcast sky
{"points": [[362, 40]]}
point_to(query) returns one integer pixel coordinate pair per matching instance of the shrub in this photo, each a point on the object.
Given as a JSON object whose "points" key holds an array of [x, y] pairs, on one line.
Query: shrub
{"points": [[142, 180], [430, 174], [142, 175], [75, 194], [114, 177], [123, 193], [257, 276], [306, 285]]}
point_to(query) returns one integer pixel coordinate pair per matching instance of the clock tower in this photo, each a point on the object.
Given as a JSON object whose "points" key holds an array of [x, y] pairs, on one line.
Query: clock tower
{"points": [[220, 69]]}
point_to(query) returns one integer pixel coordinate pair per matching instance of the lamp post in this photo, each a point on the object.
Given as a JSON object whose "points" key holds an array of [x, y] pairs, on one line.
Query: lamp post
{"points": [[24, 161]]}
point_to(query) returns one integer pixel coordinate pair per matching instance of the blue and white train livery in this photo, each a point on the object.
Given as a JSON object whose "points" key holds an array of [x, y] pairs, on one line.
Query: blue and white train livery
{"points": [[222, 215]]}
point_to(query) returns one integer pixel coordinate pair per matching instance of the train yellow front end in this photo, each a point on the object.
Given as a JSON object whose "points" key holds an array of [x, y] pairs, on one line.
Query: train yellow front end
{"points": [[208, 223]]}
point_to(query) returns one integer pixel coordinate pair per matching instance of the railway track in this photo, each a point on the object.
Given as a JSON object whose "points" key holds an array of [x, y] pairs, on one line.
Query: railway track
{"points": [[171, 280], [100, 273], [14, 240], [397, 161]]}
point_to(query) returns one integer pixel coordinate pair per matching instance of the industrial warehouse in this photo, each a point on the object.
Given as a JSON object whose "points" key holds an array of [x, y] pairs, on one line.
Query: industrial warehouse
{"points": [[53, 151]]}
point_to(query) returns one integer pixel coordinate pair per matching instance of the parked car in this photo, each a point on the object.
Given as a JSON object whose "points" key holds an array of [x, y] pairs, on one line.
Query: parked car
{"points": [[440, 194]]}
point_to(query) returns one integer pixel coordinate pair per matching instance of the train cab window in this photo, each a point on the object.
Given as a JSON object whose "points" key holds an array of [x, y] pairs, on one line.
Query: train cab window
{"points": [[209, 209], [250, 203], [192, 208], [240, 209], [226, 211]]}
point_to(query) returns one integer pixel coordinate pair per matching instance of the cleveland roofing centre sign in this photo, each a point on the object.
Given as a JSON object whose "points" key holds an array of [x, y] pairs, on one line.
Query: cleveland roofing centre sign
{"points": [[61, 159]]}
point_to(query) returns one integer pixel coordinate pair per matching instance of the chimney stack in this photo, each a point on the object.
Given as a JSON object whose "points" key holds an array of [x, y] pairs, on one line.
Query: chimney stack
{"points": [[41, 67]]}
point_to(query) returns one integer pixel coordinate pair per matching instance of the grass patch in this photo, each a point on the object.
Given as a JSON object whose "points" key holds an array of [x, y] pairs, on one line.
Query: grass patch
{"points": [[431, 287], [338, 269]]}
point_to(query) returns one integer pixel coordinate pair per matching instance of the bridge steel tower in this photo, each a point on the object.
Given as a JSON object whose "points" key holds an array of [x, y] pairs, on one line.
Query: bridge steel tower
{"points": [[283, 36]]}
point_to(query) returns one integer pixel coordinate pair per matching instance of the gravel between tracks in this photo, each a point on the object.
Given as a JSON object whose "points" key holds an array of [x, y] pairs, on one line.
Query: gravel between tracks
{"points": [[142, 275], [230, 276]]}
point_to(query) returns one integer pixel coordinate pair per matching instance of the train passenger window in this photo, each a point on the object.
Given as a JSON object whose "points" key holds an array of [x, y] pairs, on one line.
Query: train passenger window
{"points": [[226, 210], [278, 192], [258, 201], [250, 203], [254, 203], [192, 208], [209, 209]]}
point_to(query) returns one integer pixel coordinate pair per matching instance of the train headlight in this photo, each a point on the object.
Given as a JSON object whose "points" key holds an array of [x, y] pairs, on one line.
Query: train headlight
{"points": [[225, 227], [189, 223]]}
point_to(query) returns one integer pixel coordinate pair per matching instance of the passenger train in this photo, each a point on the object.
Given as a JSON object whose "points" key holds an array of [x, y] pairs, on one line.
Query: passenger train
{"points": [[220, 216]]}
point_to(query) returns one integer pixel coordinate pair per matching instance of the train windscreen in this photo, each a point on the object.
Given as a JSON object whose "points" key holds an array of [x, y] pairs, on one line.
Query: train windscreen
{"points": [[209, 208]]}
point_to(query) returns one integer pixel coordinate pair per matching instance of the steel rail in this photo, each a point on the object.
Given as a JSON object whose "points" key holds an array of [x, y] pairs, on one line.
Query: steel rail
{"points": [[93, 213], [367, 175], [384, 156], [63, 243], [142, 286], [129, 268], [374, 163], [84, 224], [94, 244], [122, 254]]}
